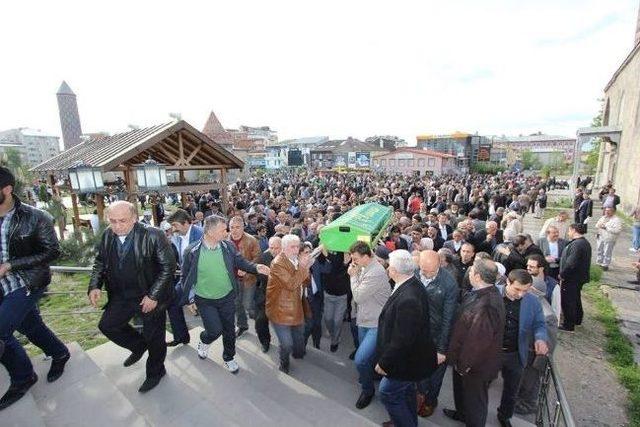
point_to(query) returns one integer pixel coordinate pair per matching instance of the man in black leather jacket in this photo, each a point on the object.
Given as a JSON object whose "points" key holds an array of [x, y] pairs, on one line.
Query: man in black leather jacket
{"points": [[137, 266], [28, 243]]}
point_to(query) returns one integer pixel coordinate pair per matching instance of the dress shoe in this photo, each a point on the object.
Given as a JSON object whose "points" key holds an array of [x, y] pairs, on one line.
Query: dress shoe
{"points": [[504, 422], [133, 358], [241, 331], [151, 382], [333, 348], [364, 400], [388, 424], [265, 347], [565, 328], [633, 282], [352, 355], [16, 392], [176, 343], [284, 367], [57, 367], [453, 414], [605, 268]]}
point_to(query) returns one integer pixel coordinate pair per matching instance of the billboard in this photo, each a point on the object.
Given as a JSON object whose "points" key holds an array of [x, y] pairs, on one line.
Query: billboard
{"points": [[352, 160], [363, 159], [340, 160], [295, 158], [484, 153]]}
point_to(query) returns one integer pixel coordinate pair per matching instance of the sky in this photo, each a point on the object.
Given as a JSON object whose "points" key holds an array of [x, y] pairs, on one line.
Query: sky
{"points": [[334, 68]]}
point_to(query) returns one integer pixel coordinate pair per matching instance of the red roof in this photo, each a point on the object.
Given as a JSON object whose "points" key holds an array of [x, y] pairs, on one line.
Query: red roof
{"points": [[423, 152]]}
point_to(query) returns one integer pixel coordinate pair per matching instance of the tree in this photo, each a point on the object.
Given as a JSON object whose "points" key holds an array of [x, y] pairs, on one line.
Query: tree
{"points": [[530, 160], [12, 159], [593, 156]]}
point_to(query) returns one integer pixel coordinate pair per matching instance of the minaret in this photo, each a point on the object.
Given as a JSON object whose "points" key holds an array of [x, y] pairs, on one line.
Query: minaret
{"points": [[69, 117]]}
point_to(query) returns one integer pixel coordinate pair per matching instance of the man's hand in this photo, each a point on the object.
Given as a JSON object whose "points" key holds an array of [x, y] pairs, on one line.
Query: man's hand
{"points": [[489, 237], [263, 269], [380, 371], [94, 297], [352, 270], [347, 258], [4, 269], [541, 347], [148, 304], [441, 358], [192, 309], [241, 273], [550, 258]]}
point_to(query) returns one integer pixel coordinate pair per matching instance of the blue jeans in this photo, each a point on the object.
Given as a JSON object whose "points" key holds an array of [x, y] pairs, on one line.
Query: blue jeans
{"points": [[430, 386], [313, 325], [365, 357], [19, 312], [291, 340], [399, 398], [218, 318], [176, 317], [636, 236]]}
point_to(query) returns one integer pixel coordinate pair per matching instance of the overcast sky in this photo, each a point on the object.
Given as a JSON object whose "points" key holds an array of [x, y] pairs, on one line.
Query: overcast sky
{"points": [[335, 68]]}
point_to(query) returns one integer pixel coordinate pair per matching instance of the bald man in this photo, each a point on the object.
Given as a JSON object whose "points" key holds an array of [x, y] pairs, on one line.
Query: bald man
{"points": [[486, 240], [136, 265], [442, 291]]}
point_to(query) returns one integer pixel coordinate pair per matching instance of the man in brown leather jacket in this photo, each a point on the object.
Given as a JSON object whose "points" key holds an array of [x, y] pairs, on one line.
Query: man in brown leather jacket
{"points": [[289, 272], [475, 346], [249, 248]]}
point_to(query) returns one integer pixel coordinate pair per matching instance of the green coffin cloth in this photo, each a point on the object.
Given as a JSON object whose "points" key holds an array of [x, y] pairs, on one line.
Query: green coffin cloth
{"points": [[365, 222]]}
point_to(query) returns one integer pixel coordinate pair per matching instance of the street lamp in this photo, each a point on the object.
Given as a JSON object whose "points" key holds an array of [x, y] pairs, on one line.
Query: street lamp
{"points": [[85, 179], [152, 176]]}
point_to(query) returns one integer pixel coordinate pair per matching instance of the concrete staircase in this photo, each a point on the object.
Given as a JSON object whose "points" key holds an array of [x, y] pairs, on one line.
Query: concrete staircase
{"points": [[96, 390]]}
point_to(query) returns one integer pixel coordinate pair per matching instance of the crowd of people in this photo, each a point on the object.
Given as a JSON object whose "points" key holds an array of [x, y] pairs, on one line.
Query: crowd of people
{"points": [[453, 282]]}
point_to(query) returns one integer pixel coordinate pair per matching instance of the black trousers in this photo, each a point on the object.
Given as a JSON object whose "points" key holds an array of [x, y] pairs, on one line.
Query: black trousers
{"points": [[511, 372], [571, 301], [114, 324], [261, 321], [470, 394]]}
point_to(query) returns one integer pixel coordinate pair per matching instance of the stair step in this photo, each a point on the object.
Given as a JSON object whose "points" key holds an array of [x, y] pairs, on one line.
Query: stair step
{"points": [[82, 393], [23, 413], [301, 399], [175, 401]]}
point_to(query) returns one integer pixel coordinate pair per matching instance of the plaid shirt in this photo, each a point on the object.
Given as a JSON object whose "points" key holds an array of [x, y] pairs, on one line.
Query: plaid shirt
{"points": [[11, 281]]}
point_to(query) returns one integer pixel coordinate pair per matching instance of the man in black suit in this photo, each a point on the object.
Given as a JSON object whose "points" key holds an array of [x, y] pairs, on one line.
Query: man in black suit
{"points": [[456, 242], [585, 210], [552, 247], [575, 264], [444, 229], [486, 240], [406, 353]]}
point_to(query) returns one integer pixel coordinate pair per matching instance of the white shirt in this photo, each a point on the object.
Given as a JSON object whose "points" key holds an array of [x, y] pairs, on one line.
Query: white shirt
{"points": [[184, 241], [122, 238], [443, 231], [395, 288], [457, 245], [553, 249]]}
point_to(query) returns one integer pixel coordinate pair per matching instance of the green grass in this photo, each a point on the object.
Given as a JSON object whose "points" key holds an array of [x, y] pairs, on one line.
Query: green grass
{"points": [[82, 327], [619, 348]]}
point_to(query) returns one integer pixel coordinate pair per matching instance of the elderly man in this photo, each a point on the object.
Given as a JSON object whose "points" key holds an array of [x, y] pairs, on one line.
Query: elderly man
{"points": [[552, 246], [455, 244], [249, 248], [475, 345], [137, 266], [487, 240], [608, 228], [370, 289], [442, 291], [28, 243], [289, 272], [209, 280], [560, 221], [406, 353], [262, 322]]}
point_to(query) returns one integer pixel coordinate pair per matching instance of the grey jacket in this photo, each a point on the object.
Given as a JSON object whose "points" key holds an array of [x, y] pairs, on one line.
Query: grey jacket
{"points": [[371, 290]]}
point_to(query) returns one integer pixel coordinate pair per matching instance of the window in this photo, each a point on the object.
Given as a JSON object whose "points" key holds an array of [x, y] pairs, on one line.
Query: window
{"points": [[421, 162], [431, 162], [392, 162], [401, 163], [383, 162], [411, 163]]}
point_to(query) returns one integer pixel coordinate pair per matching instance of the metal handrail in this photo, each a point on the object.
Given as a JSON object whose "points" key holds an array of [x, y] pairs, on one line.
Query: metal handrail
{"points": [[550, 411]]}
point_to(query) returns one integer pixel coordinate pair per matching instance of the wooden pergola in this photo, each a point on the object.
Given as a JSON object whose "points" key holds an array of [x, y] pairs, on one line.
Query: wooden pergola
{"points": [[177, 144]]}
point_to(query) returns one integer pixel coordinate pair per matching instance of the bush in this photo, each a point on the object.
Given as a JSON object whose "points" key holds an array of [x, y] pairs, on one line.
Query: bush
{"points": [[488, 168], [80, 254]]}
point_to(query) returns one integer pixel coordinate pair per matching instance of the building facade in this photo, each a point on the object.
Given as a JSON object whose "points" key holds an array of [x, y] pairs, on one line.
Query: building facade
{"points": [[344, 153], [466, 148], [549, 149], [620, 157], [414, 161], [34, 145]]}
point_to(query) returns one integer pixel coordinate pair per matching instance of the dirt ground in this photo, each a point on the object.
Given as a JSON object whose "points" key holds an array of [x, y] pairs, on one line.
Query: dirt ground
{"points": [[594, 393]]}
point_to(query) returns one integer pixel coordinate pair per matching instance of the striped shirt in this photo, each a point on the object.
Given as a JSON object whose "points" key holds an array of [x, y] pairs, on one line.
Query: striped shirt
{"points": [[10, 282]]}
